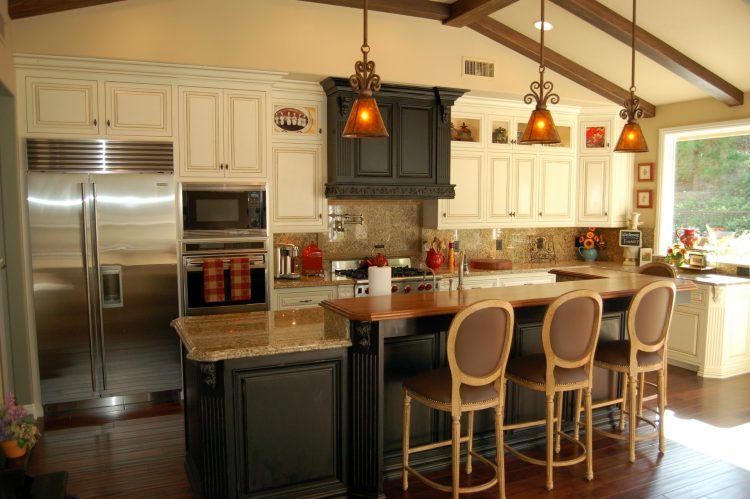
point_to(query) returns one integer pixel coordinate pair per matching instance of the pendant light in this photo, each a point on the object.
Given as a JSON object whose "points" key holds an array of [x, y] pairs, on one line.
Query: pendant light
{"points": [[364, 119], [631, 138], [541, 127]]}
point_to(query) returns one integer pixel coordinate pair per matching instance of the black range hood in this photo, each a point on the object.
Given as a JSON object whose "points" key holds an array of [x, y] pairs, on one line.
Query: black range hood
{"points": [[412, 163]]}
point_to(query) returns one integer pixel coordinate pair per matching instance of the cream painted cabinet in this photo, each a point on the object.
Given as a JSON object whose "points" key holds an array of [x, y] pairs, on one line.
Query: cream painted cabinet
{"points": [[297, 181], [466, 208], [201, 146], [605, 184], [593, 189], [556, 189], [221, 133], [500, 183], [523, 188], [134, 109], [57, 105]]}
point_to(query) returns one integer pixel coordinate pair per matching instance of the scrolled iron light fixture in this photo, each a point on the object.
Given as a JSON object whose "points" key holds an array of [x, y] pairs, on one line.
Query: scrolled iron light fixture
{"points": [[541, 127], [631, 138], [364, 118]]}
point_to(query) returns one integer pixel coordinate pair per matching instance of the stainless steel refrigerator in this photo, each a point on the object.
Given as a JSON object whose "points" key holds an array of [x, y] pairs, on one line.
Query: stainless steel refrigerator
{"points": [[102, 221]]}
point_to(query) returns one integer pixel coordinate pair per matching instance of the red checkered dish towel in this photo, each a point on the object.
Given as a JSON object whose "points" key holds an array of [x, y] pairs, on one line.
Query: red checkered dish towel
{"points": [[213, 280], [239, 278]]}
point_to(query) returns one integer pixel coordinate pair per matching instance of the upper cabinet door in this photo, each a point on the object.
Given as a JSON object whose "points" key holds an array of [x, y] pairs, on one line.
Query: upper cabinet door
{"points": [[56, 105], [200, 132], [566, 129], [499, 178], [466, 173], [138, 109], [595, 136], [523, 187], [594, 189], [416, 154], [244, 113], [297, 184], [556, 185]]}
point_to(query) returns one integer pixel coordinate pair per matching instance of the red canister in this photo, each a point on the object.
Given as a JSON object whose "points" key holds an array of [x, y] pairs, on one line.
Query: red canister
{"points": [[312, 259]]}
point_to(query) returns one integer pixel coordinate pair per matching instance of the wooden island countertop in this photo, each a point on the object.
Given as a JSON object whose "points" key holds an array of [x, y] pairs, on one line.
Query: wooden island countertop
{"points": [[608, 283]]}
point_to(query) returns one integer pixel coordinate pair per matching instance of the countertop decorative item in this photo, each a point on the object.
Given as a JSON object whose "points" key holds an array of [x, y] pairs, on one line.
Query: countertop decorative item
{"points": [[590, 243], [435, 257], [18, 429], [687, 237], [676, 255]]}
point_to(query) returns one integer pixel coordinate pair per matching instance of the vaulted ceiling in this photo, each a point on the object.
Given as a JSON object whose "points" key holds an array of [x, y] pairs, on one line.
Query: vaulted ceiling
{"points": [[696, 49]]}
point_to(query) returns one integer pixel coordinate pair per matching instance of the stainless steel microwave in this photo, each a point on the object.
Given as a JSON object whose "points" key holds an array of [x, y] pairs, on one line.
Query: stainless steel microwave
{"points": [[223, 210]]}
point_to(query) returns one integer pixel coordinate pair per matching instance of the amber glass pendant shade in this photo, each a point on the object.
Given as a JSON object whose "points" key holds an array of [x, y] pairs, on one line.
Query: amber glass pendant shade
{"points": [[540, 129], [364, 120], [631, 139]]}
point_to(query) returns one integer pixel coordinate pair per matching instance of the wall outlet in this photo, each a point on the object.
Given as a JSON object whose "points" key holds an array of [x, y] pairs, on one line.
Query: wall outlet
{"points": [[743, 271], [499, 244]]}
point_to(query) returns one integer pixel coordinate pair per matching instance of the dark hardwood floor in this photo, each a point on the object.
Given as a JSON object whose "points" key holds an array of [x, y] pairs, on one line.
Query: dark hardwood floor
{"points": [[140, 454]]}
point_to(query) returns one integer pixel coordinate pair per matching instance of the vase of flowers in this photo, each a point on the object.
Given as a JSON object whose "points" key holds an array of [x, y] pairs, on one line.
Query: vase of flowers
{"points": [[676, 255], [18, 429], [590, 243]]}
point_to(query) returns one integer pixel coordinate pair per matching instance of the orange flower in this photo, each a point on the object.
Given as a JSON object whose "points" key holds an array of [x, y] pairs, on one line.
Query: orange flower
{"points": [[580, 239], [590, 235], [588, 244]]}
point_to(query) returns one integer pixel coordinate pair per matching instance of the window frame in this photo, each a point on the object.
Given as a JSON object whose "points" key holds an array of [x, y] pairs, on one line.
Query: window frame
{"points": [[668, 138]]}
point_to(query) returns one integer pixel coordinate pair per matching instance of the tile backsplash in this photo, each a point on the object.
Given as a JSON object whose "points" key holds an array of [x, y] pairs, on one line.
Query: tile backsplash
{"points": [[398, 226]]}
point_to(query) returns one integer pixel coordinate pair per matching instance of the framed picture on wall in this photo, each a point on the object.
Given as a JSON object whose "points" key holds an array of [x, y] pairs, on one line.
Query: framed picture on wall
{"points": [[295, 120], [645, 172], [644, 198], [647, 255]]}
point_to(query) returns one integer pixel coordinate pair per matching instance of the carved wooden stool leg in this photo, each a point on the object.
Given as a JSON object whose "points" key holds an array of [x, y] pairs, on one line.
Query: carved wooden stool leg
{"points": [[405, 441], [456, 453], [577, 429], [470, 443], [500, 458], [550, 438], [662, 406], [641, 390], [589, 437], [558, 422], [623, 405], [632, 415]]}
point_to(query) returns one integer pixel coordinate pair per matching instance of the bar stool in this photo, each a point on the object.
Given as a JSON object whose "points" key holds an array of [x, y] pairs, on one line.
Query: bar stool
{"points": [[658, 269], [569, 334], [649, 317], [479, 342]]}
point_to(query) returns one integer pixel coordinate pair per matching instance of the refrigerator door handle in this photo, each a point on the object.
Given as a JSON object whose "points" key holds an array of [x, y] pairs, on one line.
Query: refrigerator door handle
{"points": [[87, 275], [99, 294]]}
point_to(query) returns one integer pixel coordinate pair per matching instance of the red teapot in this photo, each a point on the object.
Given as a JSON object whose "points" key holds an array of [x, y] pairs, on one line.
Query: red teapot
{"points": [[435, 259], [687, 237]]}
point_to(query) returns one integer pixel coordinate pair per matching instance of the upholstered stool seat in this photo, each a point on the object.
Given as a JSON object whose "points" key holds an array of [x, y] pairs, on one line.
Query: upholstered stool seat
{"points": [[614, 355], [478, 346], [531, 370], [435, 387]]}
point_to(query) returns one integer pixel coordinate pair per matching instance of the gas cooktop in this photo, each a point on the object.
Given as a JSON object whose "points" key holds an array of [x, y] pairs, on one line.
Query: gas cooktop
{"points": [[405, 278], [360, 274]]}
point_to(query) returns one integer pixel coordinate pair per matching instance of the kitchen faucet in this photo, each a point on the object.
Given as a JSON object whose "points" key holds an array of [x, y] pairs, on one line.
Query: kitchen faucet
{"points": [[461, 269], [434, 278]]}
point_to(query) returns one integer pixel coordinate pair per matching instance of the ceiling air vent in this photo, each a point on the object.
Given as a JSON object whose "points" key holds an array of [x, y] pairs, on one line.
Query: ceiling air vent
{"points": [[478, 67]]}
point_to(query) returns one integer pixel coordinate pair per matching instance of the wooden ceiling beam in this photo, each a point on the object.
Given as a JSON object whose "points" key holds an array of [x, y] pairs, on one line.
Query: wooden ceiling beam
{"points": [[415, 8], [525, 46], [652, 47], [465, 12], [29, 8], [507, 37]]}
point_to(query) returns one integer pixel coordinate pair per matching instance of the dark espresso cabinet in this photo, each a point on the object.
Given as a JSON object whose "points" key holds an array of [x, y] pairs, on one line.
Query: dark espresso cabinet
{"points": [[267, 426], [412, 162]]}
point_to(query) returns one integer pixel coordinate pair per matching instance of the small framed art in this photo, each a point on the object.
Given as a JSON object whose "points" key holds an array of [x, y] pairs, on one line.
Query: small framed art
{"points": [[644, 198], [645, 172], [647, 256]]}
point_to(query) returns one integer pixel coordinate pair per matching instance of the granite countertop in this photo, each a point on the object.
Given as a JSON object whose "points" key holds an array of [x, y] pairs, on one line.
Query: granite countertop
{"points": [[211, 338], [307, 281]]}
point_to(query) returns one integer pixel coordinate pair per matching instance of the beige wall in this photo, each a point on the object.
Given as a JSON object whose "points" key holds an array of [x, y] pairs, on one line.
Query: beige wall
{"points": [[681, 114], [7, 74], [282, 35]]}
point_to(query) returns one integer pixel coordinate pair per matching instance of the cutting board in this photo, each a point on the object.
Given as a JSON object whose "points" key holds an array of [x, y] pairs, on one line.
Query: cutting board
{"points": [[491, 264]]}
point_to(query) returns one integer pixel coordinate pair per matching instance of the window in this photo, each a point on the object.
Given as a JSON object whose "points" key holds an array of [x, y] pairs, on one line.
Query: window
{"points": [[705, 184]]}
